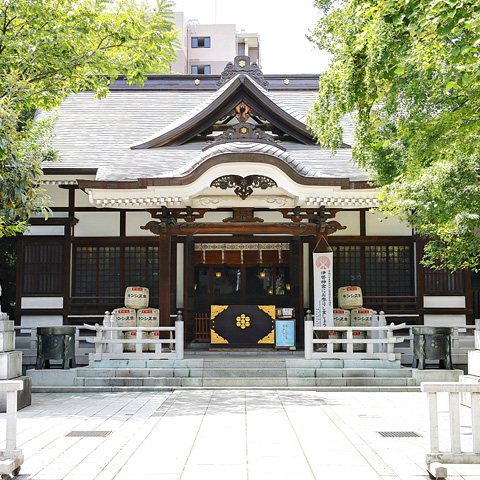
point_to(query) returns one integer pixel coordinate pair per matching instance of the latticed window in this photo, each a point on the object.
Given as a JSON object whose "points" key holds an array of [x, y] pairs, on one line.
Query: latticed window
{"points": [[441, 281], [382, 271], [43, 268], [103, 272]]}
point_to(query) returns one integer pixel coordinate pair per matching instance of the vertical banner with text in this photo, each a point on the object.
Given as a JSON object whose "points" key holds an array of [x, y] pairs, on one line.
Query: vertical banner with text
{"points": [[323, 289]]}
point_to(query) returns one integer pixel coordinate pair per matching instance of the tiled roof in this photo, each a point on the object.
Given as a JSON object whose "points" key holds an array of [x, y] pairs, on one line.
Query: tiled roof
{"points": [[94, 134]]}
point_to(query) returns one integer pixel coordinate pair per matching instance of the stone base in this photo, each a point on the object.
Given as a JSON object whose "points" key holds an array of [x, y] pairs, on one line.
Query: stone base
{"points": [[24, 397], [53, 377], [10, 365], [7, 341], [436, 375], [466, 398], [474, 362]]}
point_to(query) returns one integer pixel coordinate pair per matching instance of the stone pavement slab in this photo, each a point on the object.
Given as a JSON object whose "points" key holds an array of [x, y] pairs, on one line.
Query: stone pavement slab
{"points": [[227, 434]]}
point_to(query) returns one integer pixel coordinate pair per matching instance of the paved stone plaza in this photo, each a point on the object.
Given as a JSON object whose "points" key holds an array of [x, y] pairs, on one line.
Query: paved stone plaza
{"points": [[228, 434]]}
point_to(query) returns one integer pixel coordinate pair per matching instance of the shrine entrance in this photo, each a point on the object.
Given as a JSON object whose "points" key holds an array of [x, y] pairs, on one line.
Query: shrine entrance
{"points": [[233, 274]]}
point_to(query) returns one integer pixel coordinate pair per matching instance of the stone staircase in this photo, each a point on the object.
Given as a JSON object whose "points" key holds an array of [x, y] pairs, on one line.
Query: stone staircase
{"points": [[229, 371]]}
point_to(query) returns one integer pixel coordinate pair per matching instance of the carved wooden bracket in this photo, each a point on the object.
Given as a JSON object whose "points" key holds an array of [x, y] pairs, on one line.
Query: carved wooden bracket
{"points": [[318, 216], [171, 215], [243, 185], [243, 215], [244, 132]]}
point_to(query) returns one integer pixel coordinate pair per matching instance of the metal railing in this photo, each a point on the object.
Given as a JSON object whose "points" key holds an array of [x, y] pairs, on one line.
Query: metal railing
{"points": [[110, 341], [455, 454]]}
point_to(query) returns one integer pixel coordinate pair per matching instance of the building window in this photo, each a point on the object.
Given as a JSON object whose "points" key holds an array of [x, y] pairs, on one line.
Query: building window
{"points": [[384, 272], [200, 42], [43, 268], [101, 274], [201, 70]]}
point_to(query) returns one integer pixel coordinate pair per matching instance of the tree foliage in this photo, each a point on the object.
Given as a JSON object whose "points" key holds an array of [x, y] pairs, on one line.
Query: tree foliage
{"points": [[50, 49], [409, 71]]}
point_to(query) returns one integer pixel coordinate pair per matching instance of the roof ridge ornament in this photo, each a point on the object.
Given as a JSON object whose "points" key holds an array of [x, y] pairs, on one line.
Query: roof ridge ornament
{"points": [[241, 66], [244, 132]]}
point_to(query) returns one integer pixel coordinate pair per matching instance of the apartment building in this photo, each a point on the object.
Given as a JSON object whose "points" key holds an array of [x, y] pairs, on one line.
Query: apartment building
{"points": [[205, 49]]}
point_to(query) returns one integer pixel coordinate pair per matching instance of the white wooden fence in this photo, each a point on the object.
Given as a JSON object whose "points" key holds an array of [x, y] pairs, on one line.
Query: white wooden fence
{"points": [[455, 454], [379, 344], [109, 341]]}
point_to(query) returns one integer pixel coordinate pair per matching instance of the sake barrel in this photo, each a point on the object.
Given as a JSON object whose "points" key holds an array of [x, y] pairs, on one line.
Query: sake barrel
{"points": [[148, 317], [136, 297], [357, 347], [126, 317], [341, 317], [335, 336], [153, 336], [350, 297], [132, 347], [361, 317]]}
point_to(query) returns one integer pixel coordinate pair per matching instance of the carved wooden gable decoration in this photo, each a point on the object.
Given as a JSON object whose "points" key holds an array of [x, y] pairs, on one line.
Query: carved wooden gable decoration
{"points": [[241, 110]]}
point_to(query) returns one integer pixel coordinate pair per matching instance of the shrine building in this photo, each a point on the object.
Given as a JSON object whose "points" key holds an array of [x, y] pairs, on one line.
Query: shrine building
{"points": [[211, 190]]}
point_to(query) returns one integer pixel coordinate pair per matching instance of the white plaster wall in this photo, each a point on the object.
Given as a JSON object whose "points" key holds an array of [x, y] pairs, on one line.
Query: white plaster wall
{"points": [[97, 224], [42, 302], [180, 275], [378, 225], [41, 230], [444, 301], [58, 195], [31, 321], [135, 220], [81, 199], [215, 217], [444, 320], [348, 219], [271, 217]]}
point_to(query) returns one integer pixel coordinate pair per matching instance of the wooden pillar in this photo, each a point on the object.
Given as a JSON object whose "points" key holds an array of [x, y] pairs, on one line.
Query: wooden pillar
{"points": [[164, 269], [189, 282], [296, 280]]}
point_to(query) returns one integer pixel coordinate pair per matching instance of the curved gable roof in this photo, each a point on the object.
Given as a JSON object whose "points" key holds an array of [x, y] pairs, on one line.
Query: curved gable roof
{"points": [[240, 88]]}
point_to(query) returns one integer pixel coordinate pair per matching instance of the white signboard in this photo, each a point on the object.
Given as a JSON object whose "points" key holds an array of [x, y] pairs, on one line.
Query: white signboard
{"points": [[323, 289]]}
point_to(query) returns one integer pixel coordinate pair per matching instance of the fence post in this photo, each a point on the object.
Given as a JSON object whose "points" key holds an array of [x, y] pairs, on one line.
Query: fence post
{"points": [[381, 333], [308, 335], [33, 338], [11, 420], [179, 348], [374, 334], [116, 334], [108, 334]]}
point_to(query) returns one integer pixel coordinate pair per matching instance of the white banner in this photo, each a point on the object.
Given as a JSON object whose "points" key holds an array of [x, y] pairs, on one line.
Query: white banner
{"points": [[323, 289]]}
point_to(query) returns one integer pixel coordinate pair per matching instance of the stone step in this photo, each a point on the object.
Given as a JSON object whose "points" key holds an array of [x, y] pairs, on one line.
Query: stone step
{"points": [[244, 372], [243, 363], [319, 388], [247, 371], [242, 382]]}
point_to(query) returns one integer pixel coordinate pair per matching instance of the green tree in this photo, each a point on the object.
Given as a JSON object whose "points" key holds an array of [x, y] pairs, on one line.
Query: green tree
{"points": [[409, 73], [50, 49]]}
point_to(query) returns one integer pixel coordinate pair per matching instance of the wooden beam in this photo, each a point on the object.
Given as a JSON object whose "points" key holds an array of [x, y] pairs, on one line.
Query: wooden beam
{"points": [[194, 228]]}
